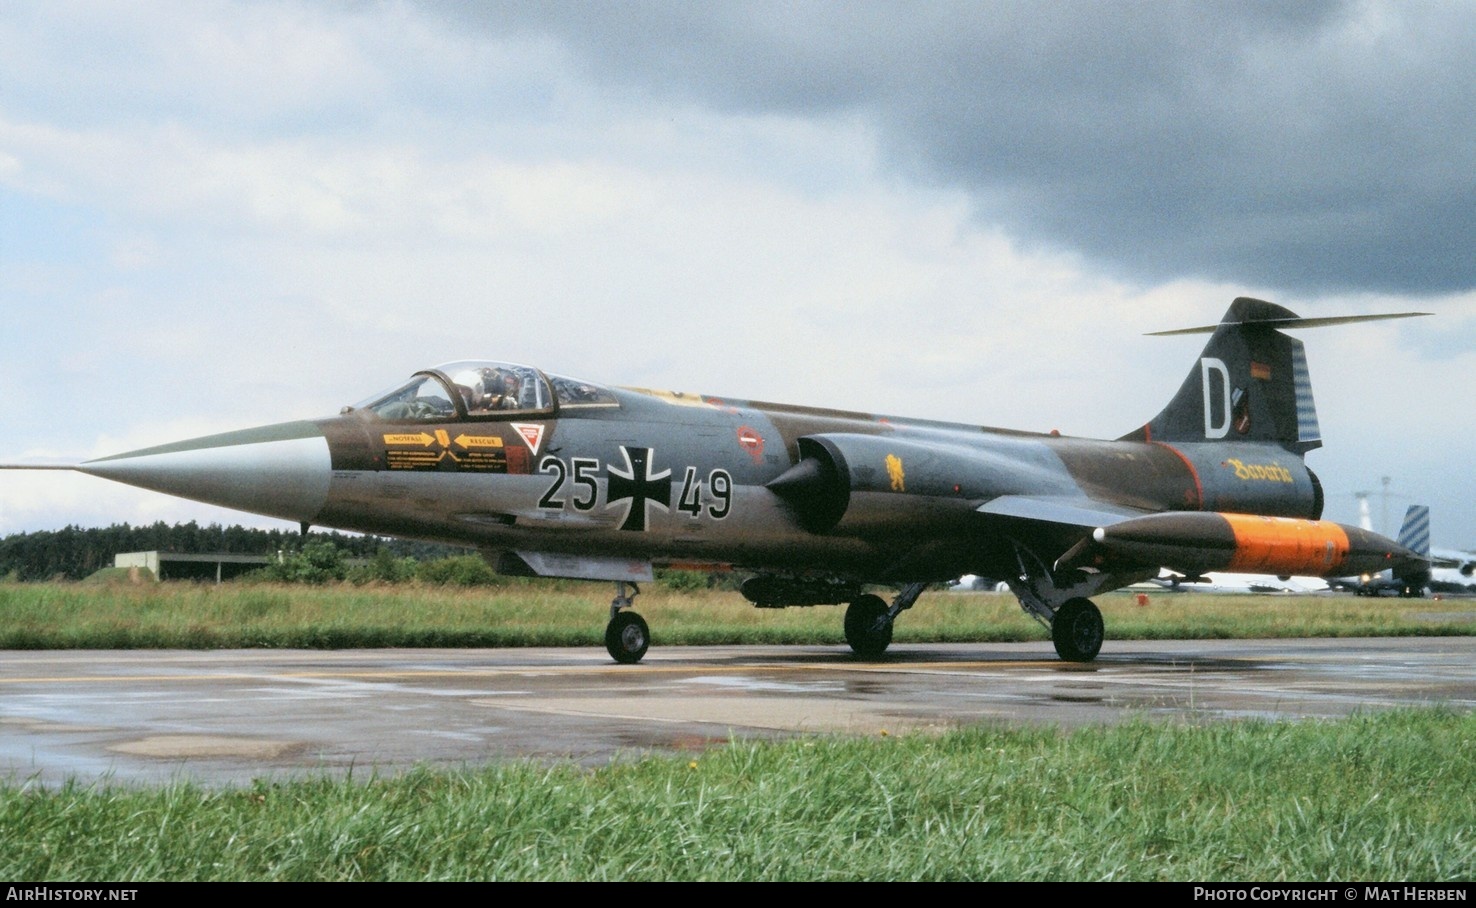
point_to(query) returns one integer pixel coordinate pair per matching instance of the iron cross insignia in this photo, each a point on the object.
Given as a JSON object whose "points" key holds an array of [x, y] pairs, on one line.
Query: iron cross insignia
{"points": [[639, 485]]}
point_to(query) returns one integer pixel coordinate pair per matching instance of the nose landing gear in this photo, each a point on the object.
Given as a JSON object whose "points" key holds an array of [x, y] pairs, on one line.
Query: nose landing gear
{"points": [[627, 637]]}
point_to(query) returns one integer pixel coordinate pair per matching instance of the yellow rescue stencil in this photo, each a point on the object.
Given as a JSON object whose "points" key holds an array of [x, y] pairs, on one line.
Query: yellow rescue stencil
{"points": [[420, 438], [479, 441]]}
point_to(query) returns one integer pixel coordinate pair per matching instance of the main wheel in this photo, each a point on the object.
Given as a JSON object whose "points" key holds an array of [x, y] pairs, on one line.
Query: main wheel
{"points": [[868, 629], [627, 638], [1077, 631]]}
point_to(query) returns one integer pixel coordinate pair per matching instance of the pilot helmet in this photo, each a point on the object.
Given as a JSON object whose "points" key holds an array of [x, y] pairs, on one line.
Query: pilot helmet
{"points": [[470, 378]]}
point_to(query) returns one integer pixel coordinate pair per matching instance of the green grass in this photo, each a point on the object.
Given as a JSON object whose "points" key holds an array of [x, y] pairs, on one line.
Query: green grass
{"points": [[563, 613], [1372, 798], [1366, 798]]}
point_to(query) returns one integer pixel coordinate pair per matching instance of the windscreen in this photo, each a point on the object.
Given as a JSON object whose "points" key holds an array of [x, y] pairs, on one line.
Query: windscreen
{"points": [[478, 390]]}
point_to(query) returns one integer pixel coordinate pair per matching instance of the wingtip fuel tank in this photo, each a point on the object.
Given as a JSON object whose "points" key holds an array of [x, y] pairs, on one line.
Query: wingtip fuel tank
{"points": [[1204, 541]]}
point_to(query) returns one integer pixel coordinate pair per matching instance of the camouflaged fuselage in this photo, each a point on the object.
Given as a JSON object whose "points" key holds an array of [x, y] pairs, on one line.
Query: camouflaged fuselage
{"points": [[685, 478]]}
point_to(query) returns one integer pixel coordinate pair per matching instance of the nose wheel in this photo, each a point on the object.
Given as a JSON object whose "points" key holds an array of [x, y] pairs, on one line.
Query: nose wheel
{"points": [[627, 637]]}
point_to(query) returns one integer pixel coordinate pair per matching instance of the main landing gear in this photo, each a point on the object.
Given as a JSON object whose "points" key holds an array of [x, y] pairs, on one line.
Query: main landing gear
{"points": [[1059, 603], [869, 620], [868, 626], [626, 636], [1075, 625]]}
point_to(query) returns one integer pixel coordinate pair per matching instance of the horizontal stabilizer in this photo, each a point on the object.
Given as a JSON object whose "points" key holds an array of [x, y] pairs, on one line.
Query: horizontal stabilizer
{"points": [[1288, 321]]}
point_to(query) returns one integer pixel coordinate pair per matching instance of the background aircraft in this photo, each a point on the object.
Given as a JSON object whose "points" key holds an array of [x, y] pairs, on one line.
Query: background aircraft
{"points": [[1452, 571], [1449, 570], [552, 476], [1222, 583]]}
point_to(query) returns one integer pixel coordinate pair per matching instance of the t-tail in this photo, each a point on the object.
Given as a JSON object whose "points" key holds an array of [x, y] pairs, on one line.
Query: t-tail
{"points": [[1251, 382]]}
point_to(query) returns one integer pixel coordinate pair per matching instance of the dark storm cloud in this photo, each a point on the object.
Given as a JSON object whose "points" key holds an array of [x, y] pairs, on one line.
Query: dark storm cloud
{"points": [[1310, 147]]}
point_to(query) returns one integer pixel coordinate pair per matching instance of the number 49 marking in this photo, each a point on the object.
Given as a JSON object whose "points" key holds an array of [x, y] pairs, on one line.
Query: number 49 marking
{"points": [[719, 486]]}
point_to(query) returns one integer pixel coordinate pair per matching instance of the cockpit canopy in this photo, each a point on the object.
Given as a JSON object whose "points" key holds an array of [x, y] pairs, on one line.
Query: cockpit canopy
{"points": [[483, 390]]}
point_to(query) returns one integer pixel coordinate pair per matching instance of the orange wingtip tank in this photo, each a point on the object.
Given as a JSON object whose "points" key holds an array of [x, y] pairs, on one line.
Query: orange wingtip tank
{"points": [[1243, 543]]}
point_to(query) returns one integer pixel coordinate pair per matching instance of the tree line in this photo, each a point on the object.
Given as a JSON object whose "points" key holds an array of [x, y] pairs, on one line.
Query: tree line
{"points": [[73, 552]]}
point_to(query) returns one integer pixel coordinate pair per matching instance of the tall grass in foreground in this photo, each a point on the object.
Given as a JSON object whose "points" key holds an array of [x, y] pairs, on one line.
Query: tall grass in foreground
{"points": [[565, 613], [1368, 798]]}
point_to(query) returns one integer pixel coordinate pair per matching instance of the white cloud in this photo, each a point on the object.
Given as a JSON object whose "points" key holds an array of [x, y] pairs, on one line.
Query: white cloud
{"points": [[245, 213]]}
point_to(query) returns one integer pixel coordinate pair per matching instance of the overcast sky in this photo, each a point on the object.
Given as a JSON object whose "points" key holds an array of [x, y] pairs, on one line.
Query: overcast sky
{"points": [[218, 214]]}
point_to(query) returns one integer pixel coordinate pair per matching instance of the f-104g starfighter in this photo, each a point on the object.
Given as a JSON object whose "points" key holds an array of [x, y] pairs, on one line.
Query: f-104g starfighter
{"points": [[557, 477]]}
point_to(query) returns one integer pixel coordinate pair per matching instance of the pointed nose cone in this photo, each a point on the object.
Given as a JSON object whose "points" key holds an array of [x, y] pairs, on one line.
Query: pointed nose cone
{"points": [[280, 471]]}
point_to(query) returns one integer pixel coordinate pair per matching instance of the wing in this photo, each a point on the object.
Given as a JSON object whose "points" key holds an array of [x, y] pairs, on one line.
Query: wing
{"points": [[1076, 514], [1049, 526]]}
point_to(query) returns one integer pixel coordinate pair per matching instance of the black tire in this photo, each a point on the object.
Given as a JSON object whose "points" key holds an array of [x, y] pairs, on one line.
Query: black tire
{"points": [[868, 630], [1077, 631], [627, 638]]}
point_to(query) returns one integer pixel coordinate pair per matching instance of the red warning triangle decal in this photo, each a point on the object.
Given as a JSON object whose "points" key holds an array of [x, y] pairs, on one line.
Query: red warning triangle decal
{"points": [[532, 434]]}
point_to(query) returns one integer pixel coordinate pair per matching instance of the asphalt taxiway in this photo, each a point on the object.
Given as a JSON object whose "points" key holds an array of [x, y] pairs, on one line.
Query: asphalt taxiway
{"points": [[232, 716]]}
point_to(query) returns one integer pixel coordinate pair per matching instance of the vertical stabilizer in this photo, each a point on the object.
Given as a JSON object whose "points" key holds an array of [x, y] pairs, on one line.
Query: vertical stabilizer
{"points": [[1251, 383], [1414, 533]]}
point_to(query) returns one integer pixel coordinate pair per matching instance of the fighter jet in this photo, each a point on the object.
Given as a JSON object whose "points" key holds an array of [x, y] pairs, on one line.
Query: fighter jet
{"points": [[557, 477]]}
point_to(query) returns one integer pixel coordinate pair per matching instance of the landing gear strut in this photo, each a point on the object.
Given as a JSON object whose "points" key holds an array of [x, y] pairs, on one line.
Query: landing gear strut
{"points": [[1058, 601], [626, 636]]}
